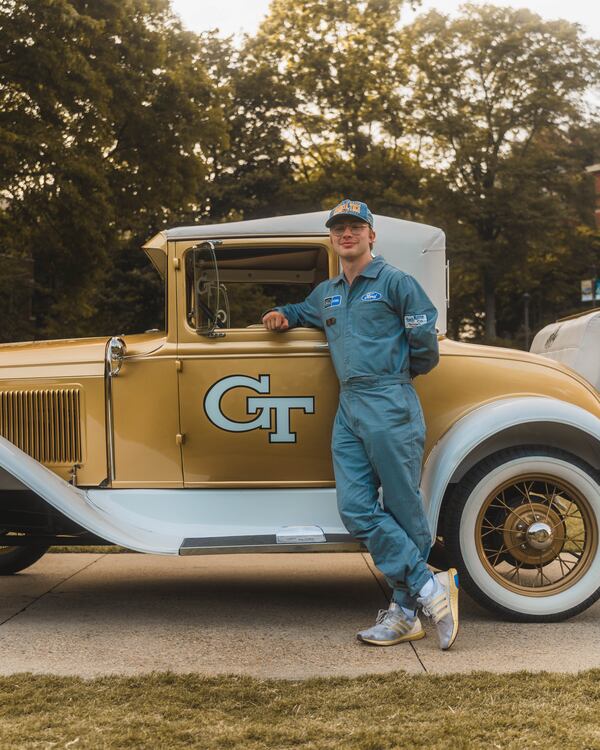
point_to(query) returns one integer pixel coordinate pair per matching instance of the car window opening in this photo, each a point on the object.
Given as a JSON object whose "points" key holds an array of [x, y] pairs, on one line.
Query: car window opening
{"points": [[255, 279]]}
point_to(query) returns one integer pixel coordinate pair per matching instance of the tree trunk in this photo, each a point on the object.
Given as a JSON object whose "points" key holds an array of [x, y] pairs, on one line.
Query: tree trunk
{"points": [[489, 298]]}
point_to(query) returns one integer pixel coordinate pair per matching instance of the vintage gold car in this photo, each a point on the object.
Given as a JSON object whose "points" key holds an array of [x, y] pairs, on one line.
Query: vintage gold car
{"points": [[213, 435]]}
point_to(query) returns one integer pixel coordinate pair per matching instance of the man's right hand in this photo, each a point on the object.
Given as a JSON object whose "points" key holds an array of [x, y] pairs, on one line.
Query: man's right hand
{"points": [[275, 321]]}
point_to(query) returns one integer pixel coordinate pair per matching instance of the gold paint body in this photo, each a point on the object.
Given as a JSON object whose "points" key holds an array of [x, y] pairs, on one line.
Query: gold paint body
{"points": [[163, 438]]}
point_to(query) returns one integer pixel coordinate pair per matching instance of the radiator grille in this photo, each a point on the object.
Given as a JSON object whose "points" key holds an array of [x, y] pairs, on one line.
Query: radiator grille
{"points": [[46, 424]]}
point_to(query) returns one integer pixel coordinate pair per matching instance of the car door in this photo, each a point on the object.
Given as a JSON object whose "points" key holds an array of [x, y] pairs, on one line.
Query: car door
{"points": [[256, 407]]}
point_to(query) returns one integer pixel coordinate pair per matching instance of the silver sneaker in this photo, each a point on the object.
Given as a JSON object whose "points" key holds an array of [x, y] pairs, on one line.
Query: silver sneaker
{"points": [[442, 606], [392, 626]]}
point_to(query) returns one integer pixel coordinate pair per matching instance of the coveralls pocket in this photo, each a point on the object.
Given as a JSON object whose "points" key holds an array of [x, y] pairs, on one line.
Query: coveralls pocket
{"points": [[372, 317], [333, 322], [415, 405], [418, 432], [395, 409]]}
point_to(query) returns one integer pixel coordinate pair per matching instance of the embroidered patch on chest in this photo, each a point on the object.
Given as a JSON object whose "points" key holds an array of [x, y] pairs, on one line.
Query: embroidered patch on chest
{"points": [[334, 301], [414, 321], [371, 296]]}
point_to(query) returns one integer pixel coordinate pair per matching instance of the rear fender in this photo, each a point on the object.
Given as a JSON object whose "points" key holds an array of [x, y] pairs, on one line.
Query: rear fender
{"points": [[502, 424]]}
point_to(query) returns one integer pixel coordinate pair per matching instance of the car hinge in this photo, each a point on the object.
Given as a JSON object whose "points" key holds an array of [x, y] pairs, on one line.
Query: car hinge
{"points": [[73, 474], [180, 438], [178, 365], [176, 264]]}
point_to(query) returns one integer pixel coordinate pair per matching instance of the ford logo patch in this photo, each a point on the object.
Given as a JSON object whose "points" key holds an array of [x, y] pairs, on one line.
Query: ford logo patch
{"points": [[370, 296]]}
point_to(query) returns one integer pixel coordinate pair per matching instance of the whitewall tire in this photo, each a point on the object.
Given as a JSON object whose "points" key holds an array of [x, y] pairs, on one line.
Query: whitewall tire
{"points": [[523, 527]]}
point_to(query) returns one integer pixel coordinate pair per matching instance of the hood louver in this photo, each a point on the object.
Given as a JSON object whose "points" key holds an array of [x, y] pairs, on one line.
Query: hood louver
{"points": [[46, 424]]}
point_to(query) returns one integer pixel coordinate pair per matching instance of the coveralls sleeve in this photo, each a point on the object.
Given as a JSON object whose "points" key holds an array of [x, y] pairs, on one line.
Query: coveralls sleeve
{"points": [[305, 314], [419, 316]]}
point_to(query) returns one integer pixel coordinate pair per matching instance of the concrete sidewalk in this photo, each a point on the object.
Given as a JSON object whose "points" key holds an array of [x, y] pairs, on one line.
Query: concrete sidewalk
{"points": [[279, 615]]}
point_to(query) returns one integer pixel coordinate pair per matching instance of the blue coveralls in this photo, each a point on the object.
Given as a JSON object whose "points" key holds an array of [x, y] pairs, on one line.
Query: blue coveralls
{"points": [[381, 332]]}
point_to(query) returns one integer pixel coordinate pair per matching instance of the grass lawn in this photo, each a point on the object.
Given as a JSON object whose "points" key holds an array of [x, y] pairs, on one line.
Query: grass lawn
{"points": [[480, 710]]}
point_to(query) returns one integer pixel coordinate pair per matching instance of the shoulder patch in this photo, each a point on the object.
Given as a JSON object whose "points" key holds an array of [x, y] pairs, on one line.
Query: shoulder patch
{"points": [[334, 301], [414, 321], [370, 296]]}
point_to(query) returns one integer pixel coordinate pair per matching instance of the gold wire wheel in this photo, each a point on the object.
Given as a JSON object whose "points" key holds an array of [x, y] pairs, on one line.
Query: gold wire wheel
{"points": [[536, 535]]}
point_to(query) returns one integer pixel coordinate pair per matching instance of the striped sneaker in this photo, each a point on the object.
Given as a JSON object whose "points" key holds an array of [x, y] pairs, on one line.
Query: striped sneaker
{"points": [[442, 606], [392, 626]]}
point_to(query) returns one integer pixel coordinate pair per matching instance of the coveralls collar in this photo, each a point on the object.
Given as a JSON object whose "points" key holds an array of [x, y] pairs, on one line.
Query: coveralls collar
{"points": [[371, 271]]}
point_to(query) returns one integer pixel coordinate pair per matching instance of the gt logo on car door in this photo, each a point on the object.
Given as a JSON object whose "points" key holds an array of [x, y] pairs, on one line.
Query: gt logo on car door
{"points": [[264, 406]]}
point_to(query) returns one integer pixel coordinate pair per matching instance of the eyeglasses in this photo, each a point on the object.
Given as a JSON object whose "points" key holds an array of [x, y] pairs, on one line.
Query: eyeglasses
{"points": [[356, 229]]}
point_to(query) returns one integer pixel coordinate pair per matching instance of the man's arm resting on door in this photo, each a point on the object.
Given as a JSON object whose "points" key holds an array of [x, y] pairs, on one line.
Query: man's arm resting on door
{"points": [[305, 314]]}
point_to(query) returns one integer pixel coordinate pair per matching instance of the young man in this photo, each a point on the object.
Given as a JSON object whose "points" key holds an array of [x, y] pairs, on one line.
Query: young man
{"points": [[380, 326]]}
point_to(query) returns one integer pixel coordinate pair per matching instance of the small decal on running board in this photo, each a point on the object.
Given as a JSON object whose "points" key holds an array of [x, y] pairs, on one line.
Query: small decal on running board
{"points": [[300, 535]]}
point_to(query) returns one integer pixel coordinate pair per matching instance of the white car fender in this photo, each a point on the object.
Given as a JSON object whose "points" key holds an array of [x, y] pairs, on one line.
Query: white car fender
{"points": [[186, 521], [481, 424], [75, 504]]}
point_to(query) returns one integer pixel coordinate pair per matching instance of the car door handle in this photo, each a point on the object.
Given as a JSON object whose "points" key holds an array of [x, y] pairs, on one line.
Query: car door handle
{"points": [[321, 346]]}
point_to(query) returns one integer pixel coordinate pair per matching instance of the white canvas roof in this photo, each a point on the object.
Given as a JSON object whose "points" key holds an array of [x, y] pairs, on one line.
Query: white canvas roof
{"points": [[417, 249]]}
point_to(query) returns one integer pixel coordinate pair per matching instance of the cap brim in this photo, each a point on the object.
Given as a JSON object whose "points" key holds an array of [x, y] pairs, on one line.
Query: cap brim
{"points": [[330, 221]]}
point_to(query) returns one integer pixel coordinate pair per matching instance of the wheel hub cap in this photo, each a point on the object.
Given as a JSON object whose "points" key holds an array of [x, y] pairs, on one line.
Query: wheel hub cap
{"points": [[533, 533], [539, 535]]}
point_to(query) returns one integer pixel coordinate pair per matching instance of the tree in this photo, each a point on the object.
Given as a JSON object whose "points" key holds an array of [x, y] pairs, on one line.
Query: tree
{"points": [[251, 176], [494, 94], [339, 62], [106, 115], [556, 264], [338, 57]]}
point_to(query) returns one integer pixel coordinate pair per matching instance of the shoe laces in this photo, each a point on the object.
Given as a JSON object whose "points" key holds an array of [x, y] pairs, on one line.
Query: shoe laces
{"points": [[395, 620], [381, 616], [437, 608]]}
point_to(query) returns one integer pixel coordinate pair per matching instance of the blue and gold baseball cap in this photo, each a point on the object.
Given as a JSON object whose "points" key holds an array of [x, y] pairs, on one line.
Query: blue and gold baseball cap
{"points": [[355, 209]]}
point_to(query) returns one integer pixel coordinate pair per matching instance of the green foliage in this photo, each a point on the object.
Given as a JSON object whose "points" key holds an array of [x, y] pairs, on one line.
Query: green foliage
{"points": [[338, 57], [494, 94], [253, 175], [339, 62], [105, 110], [115, 122]]}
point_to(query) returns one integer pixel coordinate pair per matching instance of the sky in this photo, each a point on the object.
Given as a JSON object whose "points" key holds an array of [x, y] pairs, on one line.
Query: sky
{"points": [[237, 16]]}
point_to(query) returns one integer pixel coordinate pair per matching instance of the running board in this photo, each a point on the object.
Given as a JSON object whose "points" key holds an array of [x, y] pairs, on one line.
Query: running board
{"points": [[216, 545]]}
